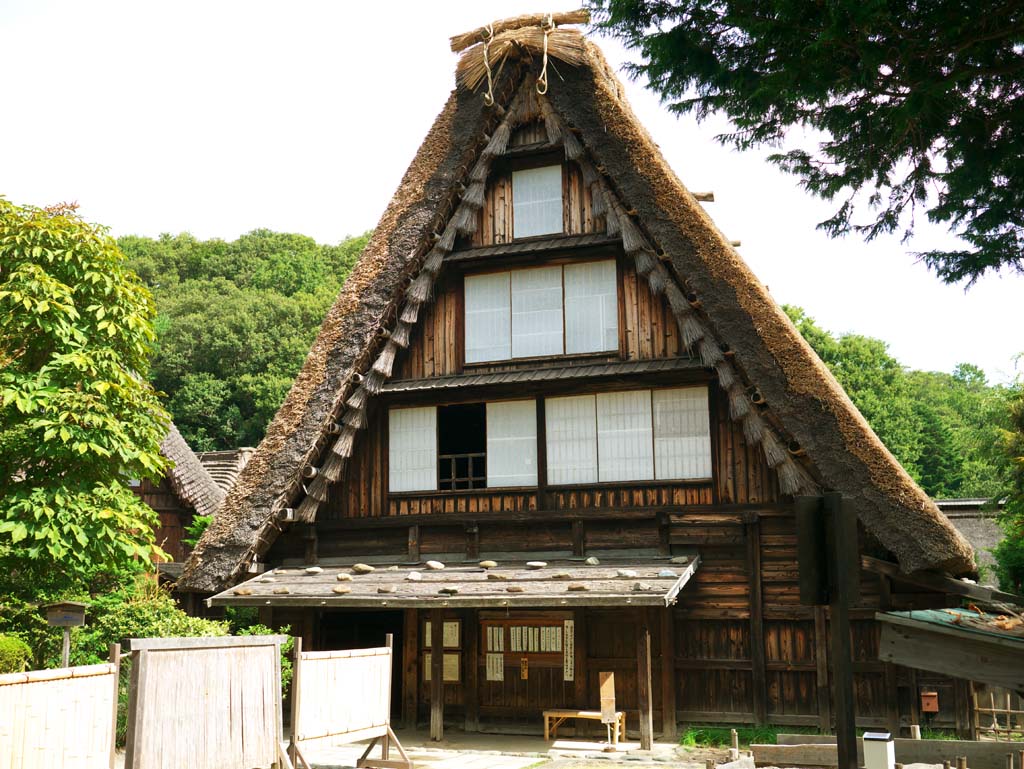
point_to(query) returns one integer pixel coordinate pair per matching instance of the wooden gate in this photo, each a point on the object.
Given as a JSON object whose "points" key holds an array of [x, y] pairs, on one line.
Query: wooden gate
{"points": [[345, 695], [205, 703]]}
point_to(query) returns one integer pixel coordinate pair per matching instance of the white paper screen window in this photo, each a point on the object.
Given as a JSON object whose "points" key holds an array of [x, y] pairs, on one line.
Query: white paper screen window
{"points": [[537, 201], [571, 439], [591, 307], [488, 317], [512, 443], [412, 449], [625, 448], [537, 312], [682, 434]]}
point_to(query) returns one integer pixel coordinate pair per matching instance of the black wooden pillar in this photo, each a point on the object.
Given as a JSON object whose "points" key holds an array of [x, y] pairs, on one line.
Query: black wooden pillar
{"points": [[643, 689], [841, 527]]}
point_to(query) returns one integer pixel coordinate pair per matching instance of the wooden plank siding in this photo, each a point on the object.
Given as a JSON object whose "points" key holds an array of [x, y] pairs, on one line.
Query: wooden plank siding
{"points": [[647, 330]]}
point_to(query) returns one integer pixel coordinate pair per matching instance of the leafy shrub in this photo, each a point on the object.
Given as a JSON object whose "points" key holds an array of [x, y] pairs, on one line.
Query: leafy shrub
{"points": [[15, 654]]}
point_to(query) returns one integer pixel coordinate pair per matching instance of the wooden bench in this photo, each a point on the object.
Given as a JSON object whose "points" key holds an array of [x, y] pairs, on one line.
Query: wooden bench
{"points": [[555, 718]]}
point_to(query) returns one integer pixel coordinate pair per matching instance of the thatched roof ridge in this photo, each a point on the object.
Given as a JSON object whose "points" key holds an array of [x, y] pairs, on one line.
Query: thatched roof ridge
{"points": [[803, 395], [188, 478]]}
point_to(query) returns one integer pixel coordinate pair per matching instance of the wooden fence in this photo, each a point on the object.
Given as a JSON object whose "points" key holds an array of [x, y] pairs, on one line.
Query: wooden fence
{"points": [[346, 696], [205, 703], [59, 719]]}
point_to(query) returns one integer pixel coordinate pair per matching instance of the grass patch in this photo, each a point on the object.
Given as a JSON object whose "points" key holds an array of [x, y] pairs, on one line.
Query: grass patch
{"points": [[721, 736], [927, 733]]}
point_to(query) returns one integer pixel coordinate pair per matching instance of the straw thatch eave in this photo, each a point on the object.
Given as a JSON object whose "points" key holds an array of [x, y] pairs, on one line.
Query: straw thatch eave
{"points": [[190, 481]]}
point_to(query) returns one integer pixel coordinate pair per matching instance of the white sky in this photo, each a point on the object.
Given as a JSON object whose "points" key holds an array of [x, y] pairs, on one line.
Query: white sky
{"points": [[218, 117]]}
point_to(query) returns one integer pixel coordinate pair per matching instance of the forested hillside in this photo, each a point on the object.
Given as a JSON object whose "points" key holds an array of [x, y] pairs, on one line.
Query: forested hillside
{"points": [[235, 321], [945, 429]]}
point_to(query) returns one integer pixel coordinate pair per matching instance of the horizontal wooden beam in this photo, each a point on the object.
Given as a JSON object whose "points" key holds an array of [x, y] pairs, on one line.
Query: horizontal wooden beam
{"points": [[533, 516], [940, 582]]}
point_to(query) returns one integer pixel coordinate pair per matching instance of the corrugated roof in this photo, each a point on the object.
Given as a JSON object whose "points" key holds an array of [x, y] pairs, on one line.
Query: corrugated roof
{"points": [[618, 582], [547, 374]]}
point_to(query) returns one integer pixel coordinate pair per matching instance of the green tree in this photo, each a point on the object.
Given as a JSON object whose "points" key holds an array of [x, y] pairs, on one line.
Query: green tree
{"points": [[236, 321], [1009, 553], [940, 459], [876, 383], [78, 416], [919, 105], [945, 429]]}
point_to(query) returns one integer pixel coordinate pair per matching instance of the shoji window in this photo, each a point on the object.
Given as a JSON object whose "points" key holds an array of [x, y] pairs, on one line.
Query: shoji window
{"points": [[682, 434], [512, 443], [537, 201], [412, 449], [637, 435], [537, 312], [571, 427], [625, 448], [488, 317], [519, 314], [591, 307]]}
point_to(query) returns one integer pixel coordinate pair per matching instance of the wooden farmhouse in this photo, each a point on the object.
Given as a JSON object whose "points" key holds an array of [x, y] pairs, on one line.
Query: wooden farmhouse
{"points": [[548, 353]]}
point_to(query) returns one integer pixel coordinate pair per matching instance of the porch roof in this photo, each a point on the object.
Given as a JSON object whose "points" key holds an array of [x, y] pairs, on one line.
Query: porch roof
{"points": [[654, 581]]}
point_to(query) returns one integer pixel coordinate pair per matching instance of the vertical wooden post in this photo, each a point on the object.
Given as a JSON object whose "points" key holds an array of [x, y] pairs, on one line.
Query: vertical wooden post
{"points": [[821, 666], [410, 667], [581, 674], [669, 730], [542, 457], [472, 541], [842, 536], [915, 697], [385, 743], [889, 675], [437, 674], [414, 543], [643, 686], [579, 539], [293, 747], [115, 659], [65, 649], [470, 692], [757, 656]]}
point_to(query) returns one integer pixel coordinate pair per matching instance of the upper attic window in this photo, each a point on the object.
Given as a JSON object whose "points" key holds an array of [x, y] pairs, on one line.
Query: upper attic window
{"points": [[537, 201]]}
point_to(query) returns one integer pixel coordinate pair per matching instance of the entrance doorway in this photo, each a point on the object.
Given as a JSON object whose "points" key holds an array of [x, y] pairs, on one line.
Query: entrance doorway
{"points": [[343, 629]]}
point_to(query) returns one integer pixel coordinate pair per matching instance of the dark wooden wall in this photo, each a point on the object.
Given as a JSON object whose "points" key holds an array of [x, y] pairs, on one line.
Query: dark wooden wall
{"points": [[173, 515]]}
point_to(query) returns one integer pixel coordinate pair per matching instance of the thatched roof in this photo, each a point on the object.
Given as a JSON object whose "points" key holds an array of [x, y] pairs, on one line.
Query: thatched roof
{"points": [[654, 214], [978, 520], [192, 483], [224, 466]]}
